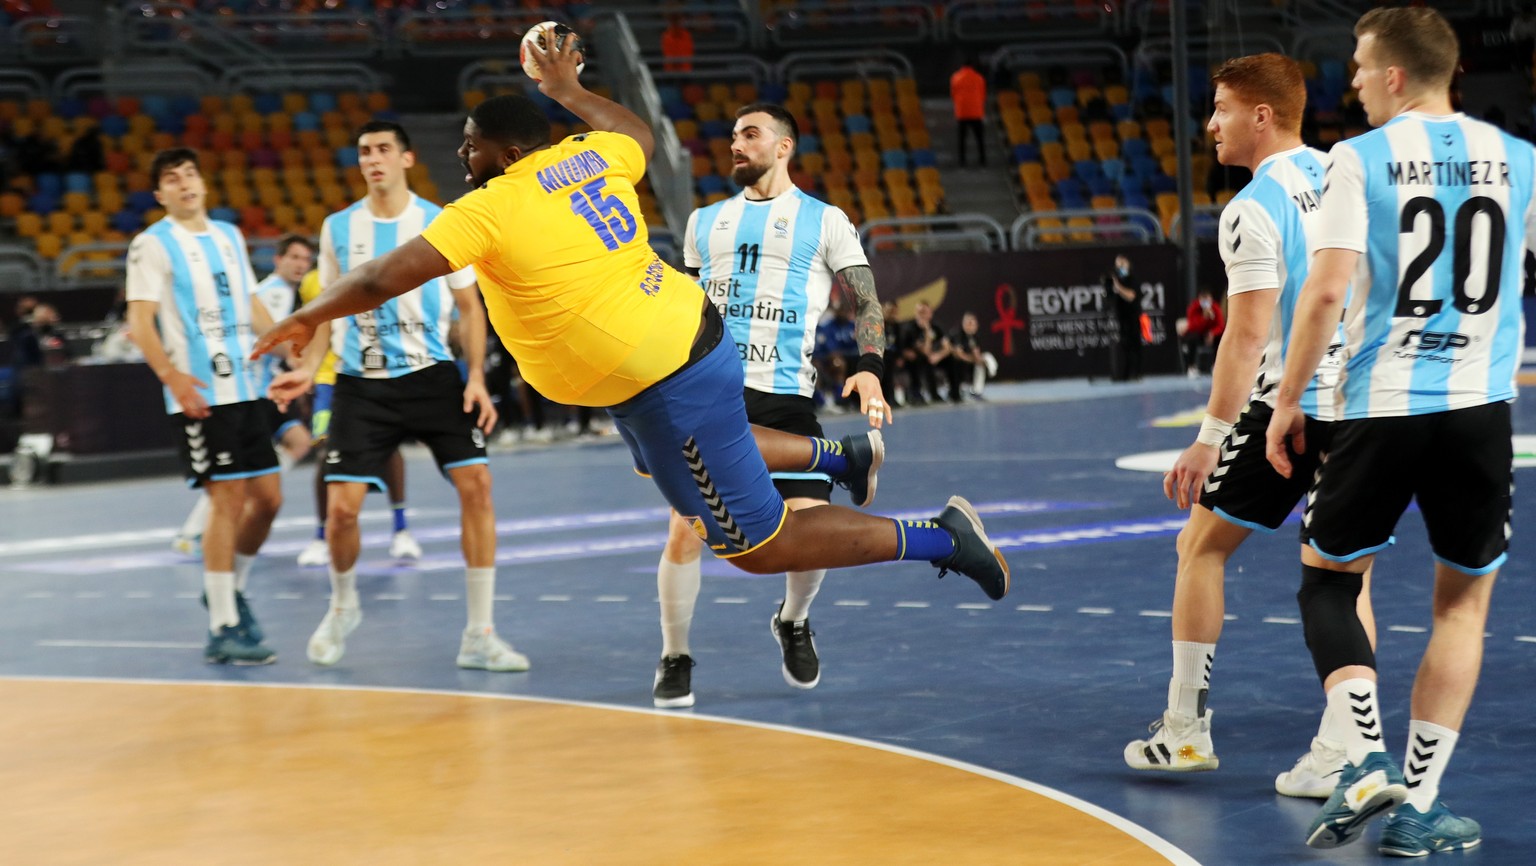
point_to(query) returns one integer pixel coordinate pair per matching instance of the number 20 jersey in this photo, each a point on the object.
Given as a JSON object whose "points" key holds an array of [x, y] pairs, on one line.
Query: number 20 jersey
{"points": [[1441, 209], [768, 267]]}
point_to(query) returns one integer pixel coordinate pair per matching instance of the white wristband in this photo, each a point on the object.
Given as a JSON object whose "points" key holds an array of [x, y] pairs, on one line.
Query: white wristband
{"points": [[1213, 431]]}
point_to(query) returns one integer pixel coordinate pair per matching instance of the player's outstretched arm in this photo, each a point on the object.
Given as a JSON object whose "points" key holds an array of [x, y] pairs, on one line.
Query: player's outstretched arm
{"points": [[362, 289], [858, 282], [1237, 364], [558, 66]]}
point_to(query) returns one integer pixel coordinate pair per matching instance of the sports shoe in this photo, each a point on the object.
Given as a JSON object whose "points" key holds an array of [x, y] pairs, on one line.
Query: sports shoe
{"points": [[480, 649], [1316, 773], [329, 641], [188, 545], [975, 555], [1411, 833], [404, 546], [1363, 793], [673, 687], [865, 453], [232, 645], [802, 670], [1179, 744], [315, 554], [247, 619]]}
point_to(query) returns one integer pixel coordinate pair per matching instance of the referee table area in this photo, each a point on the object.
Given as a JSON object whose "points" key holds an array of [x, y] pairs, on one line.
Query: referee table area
{"points": [[946, 728]]}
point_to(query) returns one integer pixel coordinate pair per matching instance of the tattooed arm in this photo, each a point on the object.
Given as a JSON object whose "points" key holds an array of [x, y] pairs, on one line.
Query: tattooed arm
{"points": [[858, 282]]}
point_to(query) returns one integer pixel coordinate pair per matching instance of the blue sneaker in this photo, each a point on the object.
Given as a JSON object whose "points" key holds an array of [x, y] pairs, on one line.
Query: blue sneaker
{"points": [[232, 645], [247, 619], [866, 454], [1411, 833], [1363, 793]]}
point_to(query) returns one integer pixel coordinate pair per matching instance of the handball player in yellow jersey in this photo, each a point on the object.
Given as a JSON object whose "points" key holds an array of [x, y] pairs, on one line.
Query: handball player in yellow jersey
{"points": [[595, 318]]}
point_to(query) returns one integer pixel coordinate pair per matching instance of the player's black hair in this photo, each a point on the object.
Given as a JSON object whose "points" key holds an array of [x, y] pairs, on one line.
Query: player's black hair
{"points": [[385, 126], [780, 115], [172, 158], [288, 240], [512, 120]]}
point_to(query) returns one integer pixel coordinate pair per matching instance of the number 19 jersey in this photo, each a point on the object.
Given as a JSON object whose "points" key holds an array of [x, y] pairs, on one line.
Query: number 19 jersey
{"points": [[1441, 209]]}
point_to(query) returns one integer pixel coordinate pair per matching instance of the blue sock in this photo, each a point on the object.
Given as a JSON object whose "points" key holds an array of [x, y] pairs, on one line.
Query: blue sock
{"points": [[828, 458], [320, 531], [922, 540], [399, 516]]}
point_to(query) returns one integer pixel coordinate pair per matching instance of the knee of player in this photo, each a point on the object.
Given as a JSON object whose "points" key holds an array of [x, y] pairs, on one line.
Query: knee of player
{"points": [[474, 486], [683, 545], [339, 511]]}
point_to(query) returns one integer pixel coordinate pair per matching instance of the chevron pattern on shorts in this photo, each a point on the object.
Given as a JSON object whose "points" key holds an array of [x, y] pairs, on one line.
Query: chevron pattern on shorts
{"points": [[723, 518]]}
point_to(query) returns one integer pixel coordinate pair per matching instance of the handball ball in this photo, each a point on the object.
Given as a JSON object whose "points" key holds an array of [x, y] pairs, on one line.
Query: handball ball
{"points": [[536, 33]]}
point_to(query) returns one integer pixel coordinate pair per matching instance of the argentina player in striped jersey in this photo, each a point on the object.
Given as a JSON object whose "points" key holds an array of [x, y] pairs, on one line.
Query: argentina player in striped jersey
{"points": [[768, 259], [397, 379], [192, 312], [1224, 478], [1430, 215]]}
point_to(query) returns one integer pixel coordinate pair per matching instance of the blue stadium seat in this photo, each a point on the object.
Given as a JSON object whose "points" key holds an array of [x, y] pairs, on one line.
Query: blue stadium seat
{"points": [[141, 200], [69, 109], [1087, 169], [225, 214], [1134, 147], [1113, 169], [50, 184], [267, 103], [262, 259], [322, 101], [712, 183], [346, 157], [42, 203], [1047, 133], [1025, 153], [114, 125], [1132, 198], [306, 121], [1063, 97], [924, 158], [77, 181], [773, 92], [856, 123], [1163, 183], [716, 129], [809, 143], [184, 105], [1123, 111], [893, 159], [126, 221], [1100, 185]]}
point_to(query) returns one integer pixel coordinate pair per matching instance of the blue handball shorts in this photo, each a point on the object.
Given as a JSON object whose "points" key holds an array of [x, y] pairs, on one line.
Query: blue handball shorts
{"points": [[689, 434]]}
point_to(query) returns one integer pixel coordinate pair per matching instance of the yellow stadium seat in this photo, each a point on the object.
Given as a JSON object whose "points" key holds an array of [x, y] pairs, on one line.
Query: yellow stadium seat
{"points": [[1103, 202], [1159, 127], [1117, 94], [294, 102], [28, 224], [813, 164], [49, 246], [1128, 129], [376, 102], [1079, 150], [1163, 147], [314, 216], [303, 194], [60, 223], [1031, 172], [283, 217]]}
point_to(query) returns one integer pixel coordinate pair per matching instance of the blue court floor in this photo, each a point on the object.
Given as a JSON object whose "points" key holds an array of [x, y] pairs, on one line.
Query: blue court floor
{"points": [[1048, 684]]}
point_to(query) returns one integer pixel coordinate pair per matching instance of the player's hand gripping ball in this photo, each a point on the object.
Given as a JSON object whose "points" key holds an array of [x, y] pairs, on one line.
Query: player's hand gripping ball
{"points": [[564, 37]]}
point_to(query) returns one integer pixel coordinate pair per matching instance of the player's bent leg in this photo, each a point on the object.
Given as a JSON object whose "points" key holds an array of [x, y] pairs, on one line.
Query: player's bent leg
{"points": [[477, 513], [344, 501], [853, 462], [791, 624]]}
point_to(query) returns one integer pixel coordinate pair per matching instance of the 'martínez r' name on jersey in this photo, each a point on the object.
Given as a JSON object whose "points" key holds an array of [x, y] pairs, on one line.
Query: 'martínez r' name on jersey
{"points": [[768, 267], [1448, 173], [406, 333]]}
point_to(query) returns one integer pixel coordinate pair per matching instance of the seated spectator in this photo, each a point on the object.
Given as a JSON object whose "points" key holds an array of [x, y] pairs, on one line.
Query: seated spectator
{"points": [[1204, 323], [835, 354], [925, 349], [970, 364]]}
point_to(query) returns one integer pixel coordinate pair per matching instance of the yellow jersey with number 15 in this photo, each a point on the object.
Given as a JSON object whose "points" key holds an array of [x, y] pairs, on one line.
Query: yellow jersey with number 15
{"points": [[571, 284]]}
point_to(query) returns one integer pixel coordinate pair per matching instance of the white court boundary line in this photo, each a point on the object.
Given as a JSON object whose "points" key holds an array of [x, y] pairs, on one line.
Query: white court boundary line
{"points": [[1163, 847]]}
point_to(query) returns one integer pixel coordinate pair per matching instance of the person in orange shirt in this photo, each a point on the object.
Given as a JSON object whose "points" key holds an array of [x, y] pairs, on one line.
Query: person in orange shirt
{"points": [[968, 89], [677, 46]]}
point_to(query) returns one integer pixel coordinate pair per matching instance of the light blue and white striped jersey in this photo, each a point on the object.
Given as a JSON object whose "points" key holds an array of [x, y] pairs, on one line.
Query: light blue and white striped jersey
{"points": [[768, 267], [409, 332], [1263, 241], [281, 298], [1441, 209], [203, 283]]}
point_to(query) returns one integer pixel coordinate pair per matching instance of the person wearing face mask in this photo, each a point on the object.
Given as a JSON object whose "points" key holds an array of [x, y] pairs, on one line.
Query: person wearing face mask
{"points": [[1120, 286], [1205, 322]]}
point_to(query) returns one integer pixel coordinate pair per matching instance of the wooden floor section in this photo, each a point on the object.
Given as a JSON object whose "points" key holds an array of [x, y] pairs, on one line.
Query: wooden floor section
{"points": [[127, 774]]}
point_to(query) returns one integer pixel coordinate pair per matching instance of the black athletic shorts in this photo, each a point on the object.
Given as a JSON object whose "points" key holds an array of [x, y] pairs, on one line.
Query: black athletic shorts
{"points": [[371, 417], [1458, 464], [233, 442], [1244, 488], [279, 421], [791, 413]]}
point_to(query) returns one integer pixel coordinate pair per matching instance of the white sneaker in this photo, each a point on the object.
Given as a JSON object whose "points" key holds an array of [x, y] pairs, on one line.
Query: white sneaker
{"points": [[1316, 773], [188, 545], [482, 650], [1179, 744], [316, 554], [329, 641], [404, 546]]}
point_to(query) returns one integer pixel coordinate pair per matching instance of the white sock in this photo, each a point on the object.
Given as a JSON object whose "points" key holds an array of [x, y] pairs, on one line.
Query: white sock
{"points": [[480, 596], [677, 585], [1429, 751], [344, 588], [1330, 729], [243, 565], [1191, 677], [197, 518], [800, 588], [1354, 703], [285, 460], [220, 587]]}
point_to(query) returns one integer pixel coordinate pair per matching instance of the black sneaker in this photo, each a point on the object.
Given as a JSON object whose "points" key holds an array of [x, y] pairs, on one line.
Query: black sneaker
{"points": [[674, 682], [865, 455], [247, 619], [802, 670], [975, 555]]}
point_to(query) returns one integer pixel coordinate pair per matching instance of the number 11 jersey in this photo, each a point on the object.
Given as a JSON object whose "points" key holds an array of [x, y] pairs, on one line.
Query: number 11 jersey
{"points": [[1440, 207]]}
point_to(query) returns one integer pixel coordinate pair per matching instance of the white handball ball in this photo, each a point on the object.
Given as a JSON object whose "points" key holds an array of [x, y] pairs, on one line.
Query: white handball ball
{"points": [[537, 33]]}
